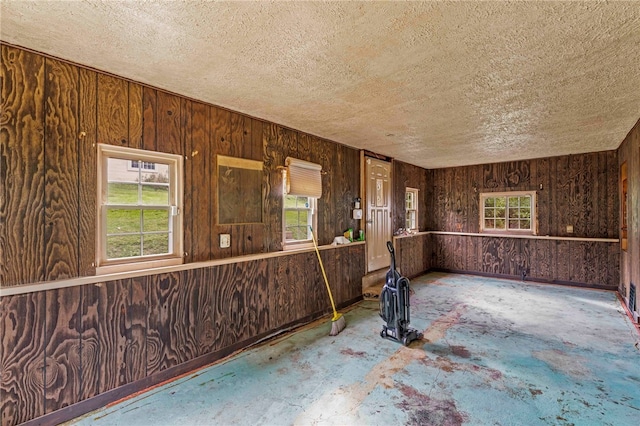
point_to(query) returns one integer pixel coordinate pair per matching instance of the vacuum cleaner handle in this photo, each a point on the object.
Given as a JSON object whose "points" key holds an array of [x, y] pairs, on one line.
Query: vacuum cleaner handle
{"points": [[390, 247]]}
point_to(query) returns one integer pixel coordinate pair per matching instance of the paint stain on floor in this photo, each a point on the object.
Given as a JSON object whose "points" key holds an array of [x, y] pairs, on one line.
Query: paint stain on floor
{"points": [[548, 361], [425, 410]]}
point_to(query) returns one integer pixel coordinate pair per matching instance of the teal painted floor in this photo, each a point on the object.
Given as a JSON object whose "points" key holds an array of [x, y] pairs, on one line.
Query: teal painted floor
{"points": [[494, 352]]}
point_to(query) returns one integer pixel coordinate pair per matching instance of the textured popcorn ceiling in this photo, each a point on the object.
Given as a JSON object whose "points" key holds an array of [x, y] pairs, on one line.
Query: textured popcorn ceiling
{"points": [[430, 83]]}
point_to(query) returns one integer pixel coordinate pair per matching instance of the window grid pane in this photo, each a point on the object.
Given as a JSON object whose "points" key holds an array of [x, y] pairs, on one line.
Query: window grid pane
{"points": [[297, 218], [507, 212], [138, 199]]}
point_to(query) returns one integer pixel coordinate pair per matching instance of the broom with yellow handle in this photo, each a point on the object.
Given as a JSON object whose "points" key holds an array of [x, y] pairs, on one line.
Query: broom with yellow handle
{"points": [[337, 321]]}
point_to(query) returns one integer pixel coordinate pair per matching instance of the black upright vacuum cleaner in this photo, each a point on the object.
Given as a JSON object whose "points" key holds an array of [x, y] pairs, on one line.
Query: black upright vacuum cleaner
{"points": [[394, 306]]}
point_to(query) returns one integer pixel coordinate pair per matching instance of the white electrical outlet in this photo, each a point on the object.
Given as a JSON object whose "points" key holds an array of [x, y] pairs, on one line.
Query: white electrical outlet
{"points": [[225, 240]]}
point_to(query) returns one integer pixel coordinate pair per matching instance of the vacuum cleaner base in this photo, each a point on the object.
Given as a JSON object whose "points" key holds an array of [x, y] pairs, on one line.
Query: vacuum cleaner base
{"points": [[405, 337]]}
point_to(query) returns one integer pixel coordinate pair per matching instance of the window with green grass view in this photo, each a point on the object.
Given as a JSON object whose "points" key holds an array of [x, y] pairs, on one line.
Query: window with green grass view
{"points": [[298, 216], [510, 212], [140, 201]]}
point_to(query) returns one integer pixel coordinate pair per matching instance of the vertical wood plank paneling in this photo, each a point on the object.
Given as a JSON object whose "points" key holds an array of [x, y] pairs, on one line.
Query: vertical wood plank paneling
{"points": [[613, 196], [199, 190], [315, 286], [565, 195], [474, 255], [544, 196], [221, 145], [273, 268], [602, 196], [206, 331], [221, 131], [189, 188], [62, 352], [22, 339], [223, 276], [135, 327], [563, 252], [260, 298], [283, 307], [256, 139], [323, 153], [22, 167], [61, 170], [304, 146], [88, 127], [112, 305], [163, 321], [589, 191], [168, 134], [113, 110], [473, 212], [135, 115], [184, 317], [90, 340], [237, 135], [357, 269], [272, 189], [149, 119]]}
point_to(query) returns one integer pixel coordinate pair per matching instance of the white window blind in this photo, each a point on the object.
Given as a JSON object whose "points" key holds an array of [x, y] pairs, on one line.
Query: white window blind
{"points": [[303, 178]]}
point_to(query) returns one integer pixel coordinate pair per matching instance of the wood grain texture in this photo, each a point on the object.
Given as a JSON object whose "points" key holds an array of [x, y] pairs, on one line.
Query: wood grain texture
{"points": [[357, 265], [169, 124], [22, 167], [113, 110], [237, 134], [87, 178], [200, 190], [189, 189], [164, 306], [63, 359], [61, 170], [256, 139], [220, 140], [323, 153], [149, 119], [272, 188], [135, 115], [22, 339], [543, 196]]}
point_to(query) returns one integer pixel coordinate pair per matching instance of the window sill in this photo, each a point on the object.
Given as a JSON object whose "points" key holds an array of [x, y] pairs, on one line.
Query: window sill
{"points": [[137, 266]]}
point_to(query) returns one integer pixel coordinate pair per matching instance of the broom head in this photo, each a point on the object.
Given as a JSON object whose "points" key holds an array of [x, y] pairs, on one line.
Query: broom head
{"points": [[337, 324]]}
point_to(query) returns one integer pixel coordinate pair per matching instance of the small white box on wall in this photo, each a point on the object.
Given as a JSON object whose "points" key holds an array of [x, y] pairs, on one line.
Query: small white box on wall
{"points": [[357, 213]]}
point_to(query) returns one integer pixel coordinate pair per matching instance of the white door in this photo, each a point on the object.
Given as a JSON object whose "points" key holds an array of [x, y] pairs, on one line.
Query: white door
{"points": [[378, 220]]}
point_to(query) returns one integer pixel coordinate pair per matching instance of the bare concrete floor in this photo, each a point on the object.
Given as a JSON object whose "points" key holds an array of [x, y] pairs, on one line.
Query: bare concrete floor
{"points": [[495, 352]]}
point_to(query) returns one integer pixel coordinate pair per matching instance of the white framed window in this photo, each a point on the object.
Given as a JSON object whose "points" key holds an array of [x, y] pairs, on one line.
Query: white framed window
{"points": [[411, 208], [139, 217], [299, 219], [509, 212], [302, 186]]}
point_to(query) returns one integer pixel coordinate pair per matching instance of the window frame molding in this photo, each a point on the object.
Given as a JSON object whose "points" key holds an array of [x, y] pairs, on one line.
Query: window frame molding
{"points": [[416, 209], [176, 201], [299, 244], [533, 209]]}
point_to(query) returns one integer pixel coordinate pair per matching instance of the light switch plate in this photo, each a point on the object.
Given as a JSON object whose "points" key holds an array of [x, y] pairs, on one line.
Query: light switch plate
{"points": [[225, 240], [357, 213]]}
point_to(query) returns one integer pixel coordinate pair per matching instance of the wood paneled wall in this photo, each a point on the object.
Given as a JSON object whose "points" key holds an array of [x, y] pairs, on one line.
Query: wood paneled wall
{"points": [[409, 176], [53, 115], [629, 152], [63, 346], [579, 190], [59, 347]]}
